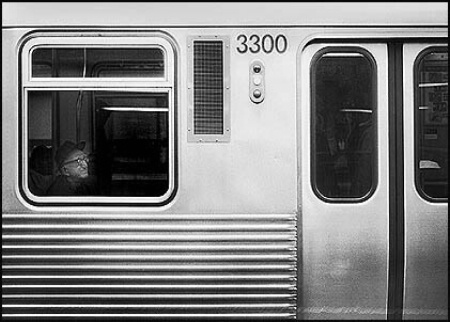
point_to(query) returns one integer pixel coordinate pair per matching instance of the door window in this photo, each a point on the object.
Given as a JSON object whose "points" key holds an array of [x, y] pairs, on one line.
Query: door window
{"points": [[343, 124], [431, 92]]}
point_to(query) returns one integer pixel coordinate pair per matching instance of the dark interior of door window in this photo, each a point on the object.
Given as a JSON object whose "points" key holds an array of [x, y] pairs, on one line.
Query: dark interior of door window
{"points": [[432, 117], [343, 130]]}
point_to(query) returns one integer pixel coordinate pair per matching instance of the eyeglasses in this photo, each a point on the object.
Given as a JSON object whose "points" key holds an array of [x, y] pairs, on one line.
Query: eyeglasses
{"points": [[80, 160]]}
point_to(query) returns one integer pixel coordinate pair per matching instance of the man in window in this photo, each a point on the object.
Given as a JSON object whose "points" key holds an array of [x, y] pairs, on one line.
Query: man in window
{"points": [[73, 172]]}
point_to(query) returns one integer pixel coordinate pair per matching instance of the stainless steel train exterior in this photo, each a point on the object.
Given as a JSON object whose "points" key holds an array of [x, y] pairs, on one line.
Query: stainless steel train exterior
{"points": [[220, 201]]}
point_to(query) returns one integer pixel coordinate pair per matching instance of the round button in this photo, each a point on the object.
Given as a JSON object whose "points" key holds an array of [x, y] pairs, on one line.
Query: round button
{"points": [[257, 68], [257, 93], [257, 80]]}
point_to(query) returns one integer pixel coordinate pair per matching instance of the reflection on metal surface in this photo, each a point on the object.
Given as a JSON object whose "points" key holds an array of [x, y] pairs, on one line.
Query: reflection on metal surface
{"points": [[188, 266]]}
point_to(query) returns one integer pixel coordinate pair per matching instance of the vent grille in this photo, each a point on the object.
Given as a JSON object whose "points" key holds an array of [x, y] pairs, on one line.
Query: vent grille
{"points": [[208, 87]]}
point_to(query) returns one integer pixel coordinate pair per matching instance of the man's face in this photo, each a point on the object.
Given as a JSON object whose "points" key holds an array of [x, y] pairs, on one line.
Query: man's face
{"points": [[76, 164]]}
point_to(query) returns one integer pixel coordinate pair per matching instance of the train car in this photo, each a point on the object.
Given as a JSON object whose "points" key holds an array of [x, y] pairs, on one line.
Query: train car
{"points": [[224, 161]]}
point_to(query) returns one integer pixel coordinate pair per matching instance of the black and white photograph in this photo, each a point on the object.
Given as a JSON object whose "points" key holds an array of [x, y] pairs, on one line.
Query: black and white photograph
{"points": [[224, 161]]}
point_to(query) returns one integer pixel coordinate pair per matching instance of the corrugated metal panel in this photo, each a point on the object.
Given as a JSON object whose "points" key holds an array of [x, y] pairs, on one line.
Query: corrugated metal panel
{"points": [[208, 87], [217, 266]]}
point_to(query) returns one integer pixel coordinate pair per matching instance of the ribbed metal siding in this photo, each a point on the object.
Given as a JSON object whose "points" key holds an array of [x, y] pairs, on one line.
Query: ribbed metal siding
{"points": [[216, 266], [208, 87]]}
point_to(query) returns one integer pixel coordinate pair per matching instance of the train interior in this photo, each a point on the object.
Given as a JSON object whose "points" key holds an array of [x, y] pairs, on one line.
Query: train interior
{"points": [[343, 126], [126, 132]]}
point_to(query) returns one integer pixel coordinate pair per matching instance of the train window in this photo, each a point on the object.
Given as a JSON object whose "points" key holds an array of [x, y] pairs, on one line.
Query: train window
{"points": [[89, 138], [431, 90], [125, 137], [97, 62], [343, 91]]}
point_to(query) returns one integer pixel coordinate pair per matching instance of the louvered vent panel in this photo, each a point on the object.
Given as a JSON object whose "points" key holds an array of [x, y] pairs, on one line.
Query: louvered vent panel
{"points": [[208, 87], [179, 266]]}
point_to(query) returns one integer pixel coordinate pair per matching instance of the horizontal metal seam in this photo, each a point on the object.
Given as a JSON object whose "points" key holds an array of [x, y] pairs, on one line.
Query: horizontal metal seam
{"points": [[140, 286], [156, 247], [146, 296], [152, 227], [152, 277], [194, 315], [125, 267]]}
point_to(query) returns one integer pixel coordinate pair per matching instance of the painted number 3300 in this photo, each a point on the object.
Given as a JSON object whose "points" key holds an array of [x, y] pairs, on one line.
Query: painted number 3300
{"points": [[266, 43]]}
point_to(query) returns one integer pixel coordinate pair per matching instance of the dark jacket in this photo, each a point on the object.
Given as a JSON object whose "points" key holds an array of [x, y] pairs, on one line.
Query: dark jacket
{"points": [[63, 187]]}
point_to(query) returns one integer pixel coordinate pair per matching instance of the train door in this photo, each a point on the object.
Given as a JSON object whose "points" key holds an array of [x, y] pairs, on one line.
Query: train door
{"points": [[425, 74], [344, 186], [373, 246]]}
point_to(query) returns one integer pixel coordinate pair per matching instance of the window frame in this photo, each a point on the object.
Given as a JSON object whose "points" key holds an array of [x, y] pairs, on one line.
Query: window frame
{"points": [[350, 49], [27, 83], [417, 119]]}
